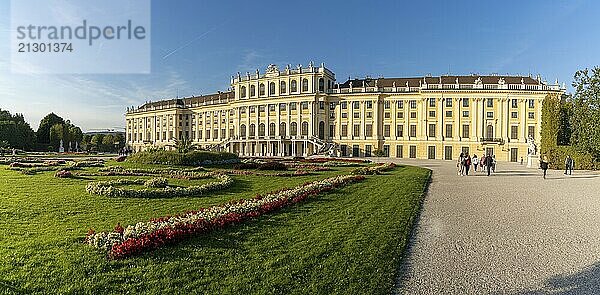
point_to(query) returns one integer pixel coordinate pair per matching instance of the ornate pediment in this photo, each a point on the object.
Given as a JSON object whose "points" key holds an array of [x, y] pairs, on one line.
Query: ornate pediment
{"points": [[272, 70]]}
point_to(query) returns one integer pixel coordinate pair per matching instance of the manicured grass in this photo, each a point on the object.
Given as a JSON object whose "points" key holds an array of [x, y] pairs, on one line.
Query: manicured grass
{"points": [[348, 241]]}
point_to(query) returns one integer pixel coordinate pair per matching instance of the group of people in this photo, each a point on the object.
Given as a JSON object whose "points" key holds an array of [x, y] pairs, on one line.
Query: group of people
{"points": [[485, 163], [569, 165]]}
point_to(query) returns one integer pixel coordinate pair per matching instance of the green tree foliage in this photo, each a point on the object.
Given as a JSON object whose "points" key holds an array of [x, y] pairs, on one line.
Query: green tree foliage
{"points": [[15, 132], [585, 120], [96, 142], [43, 132]]}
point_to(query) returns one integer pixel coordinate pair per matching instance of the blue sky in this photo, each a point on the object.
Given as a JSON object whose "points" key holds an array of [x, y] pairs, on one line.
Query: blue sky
{"points": [[198, 45]]}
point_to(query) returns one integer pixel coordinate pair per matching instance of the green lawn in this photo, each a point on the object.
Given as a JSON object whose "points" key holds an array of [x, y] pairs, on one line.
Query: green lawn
{"points": [[348, 241]]}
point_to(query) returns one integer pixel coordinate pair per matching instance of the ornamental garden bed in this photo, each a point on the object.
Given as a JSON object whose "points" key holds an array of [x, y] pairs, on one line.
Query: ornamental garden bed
{"points": [[323, 245]]}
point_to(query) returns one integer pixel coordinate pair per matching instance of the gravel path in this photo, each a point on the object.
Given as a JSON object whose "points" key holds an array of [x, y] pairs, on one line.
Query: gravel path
{"points": [[510, 233]]}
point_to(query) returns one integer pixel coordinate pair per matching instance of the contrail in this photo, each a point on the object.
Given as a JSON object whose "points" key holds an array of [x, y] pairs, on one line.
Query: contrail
{"points": [[193, 40]]}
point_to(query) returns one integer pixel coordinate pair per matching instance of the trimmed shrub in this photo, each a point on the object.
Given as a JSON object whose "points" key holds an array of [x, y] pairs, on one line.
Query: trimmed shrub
{"points": [[557, 155], [194, 158], [245, 165], [278, 166]]}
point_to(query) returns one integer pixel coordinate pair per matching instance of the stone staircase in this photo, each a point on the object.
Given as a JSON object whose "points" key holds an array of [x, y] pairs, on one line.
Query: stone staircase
{"points": [[324, 147]]}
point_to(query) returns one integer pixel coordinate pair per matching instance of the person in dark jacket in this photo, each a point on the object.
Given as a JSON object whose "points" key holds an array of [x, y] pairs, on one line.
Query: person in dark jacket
{"points": [[488, 163], [544, 165]]}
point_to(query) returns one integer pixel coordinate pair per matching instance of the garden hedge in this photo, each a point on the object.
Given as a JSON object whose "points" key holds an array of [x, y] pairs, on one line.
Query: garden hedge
{"points": [[186, 159]]}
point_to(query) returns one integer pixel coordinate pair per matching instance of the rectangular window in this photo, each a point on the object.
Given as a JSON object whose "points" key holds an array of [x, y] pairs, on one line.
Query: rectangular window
{"points": [[400, 115], [514, 132], [465, 114], [513, 103], [448, 130], [321, 105], [356, 130], [399, 153], [367, 150], [399, 130], [369, 115], [356, 115], [369, 130], [355, 150], [400, 104], [513, 115], [448, 113], [465, 102], [356, 105], [489, 114], [344, 130], [448, 153], [531, 103], [490, 102], [412, 151], [431, 152], [431, 131], [449, 102], [332, 106], [207, 134], [531, 132], [431, 113], [344, 115], [215, 133], [369, 104], [282, 106], [386, 104], [331, 130], [413, 104], [432, 102], [465, 131], [386, 115], [261, 109], [413, 115], [413, 131], [386, 130], [531, 115], [304, 105], [344, 105], [293, 106], [252, 109], [271, 108]]}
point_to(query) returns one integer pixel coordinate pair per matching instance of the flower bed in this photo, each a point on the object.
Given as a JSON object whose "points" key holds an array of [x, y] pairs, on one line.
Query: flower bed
{"points": [[145, 236], [188, 174], [299, 172], [109, 189], [63, 174], [374, 169], [323, 160]]}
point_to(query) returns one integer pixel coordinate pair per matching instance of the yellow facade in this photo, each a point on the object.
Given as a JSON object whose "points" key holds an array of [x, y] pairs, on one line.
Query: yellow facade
{"points": [[303, 111]]}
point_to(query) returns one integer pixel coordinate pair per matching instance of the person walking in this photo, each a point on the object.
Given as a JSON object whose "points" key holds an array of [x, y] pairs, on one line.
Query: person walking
{"points": [[572, 167], [567, 164], [475, 162], [494, 163], [467, 164], [544, 165], [461, 164], [488, 164], [521, 161]]}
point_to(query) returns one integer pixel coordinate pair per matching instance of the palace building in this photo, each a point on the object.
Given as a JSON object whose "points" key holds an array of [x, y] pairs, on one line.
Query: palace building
{"points": [[303, 111]]}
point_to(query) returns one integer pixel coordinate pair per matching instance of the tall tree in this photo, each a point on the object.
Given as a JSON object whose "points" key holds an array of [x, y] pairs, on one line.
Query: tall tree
{"points": [[15, 131], [585, 119], [43, 132]]}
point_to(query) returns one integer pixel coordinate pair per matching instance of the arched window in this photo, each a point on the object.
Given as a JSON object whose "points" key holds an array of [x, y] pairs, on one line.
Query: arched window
{"points": [[304, 130], [272, 88], [261, 129], [321, 85], [252, 130], [293, 129], [489, 131], [252, 90], [243, 92], [282, 87], [293, 86], [304, 85], [272, 129], [243, 131], [261, 89], [282, 129]]}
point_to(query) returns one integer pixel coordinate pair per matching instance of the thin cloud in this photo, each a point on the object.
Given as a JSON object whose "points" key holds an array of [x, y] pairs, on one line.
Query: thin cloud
{"points": [[193, 40]]}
